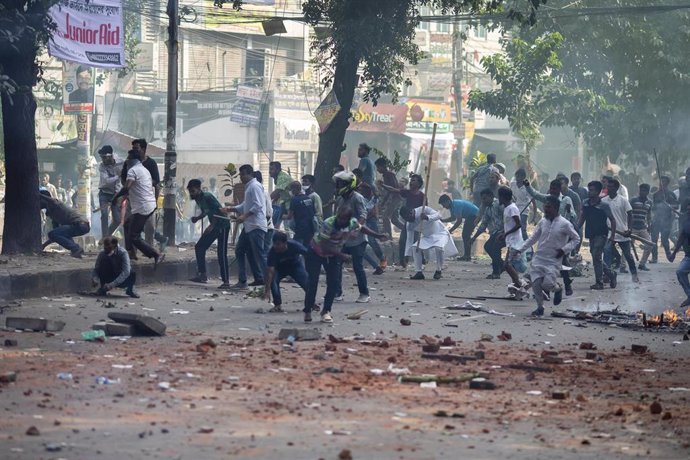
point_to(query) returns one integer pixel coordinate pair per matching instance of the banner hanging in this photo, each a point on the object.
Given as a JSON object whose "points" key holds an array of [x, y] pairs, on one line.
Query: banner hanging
{"points": [[89, 32]]}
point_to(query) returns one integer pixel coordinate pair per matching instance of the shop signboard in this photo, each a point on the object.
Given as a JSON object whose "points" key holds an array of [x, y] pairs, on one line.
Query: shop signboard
{"points": [[383, 118]]}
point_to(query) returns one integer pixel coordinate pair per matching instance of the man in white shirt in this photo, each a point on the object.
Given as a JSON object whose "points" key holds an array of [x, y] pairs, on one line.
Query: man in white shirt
{"points": [[622, 213], [566, 209], [556, 237], [522, 199], [511, 234], [142, 201], [433, 236], [250, 243], [109, 185], [270, 229]]}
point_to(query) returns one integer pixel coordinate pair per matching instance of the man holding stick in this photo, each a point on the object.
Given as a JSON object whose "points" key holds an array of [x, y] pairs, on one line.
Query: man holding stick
{"points": [[622, 213]]}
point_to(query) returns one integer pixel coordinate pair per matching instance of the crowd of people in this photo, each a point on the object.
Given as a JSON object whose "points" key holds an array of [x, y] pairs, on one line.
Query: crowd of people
{"points": [[535, 234]]}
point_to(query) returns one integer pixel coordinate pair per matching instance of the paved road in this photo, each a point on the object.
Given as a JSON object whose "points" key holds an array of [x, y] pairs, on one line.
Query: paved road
{"points": [[275, 411]]}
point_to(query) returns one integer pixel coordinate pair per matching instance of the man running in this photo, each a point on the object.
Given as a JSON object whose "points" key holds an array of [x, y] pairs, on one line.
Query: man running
{"points": [[556, 238], [142, 201], [326, 250], [683, 270], [511, 236]]}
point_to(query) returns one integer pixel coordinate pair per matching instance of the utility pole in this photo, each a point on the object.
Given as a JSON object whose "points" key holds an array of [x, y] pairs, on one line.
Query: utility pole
{"points": [[458, 131], [169, 186]]}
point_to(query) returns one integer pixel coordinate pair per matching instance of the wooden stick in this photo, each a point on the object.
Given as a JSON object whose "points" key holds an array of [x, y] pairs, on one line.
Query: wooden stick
{"points": [[636, 238], [426, 183], [658, 174]]}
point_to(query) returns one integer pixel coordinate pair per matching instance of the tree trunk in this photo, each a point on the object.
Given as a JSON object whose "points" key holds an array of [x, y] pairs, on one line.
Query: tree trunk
{"points": [[331, 141], [22, 229]]}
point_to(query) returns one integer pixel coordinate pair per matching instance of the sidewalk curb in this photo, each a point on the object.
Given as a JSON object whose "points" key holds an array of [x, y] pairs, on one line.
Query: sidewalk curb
{"points": [[71, 281]]}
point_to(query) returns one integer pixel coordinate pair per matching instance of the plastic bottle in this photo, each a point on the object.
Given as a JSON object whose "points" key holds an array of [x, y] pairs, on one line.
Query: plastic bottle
{"points": [[64, 376], [100, 380]]}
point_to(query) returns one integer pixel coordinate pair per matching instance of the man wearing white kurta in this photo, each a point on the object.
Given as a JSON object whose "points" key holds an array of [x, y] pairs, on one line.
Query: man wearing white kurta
{"points": [[556, 237], [434, 237]]}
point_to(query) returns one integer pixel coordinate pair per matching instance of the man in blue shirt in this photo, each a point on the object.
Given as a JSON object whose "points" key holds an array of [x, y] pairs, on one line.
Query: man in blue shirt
{"points": [[284, 259], [365, 164], [302, 213], [459, 210]]}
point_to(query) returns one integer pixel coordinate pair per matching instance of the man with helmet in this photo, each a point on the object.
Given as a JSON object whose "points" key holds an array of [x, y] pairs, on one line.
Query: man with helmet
{"points": [[345, 184]]}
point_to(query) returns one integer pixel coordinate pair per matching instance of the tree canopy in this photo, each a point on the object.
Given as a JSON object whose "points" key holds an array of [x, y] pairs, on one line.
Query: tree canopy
{"points": [[634, 56], [529, 93]]}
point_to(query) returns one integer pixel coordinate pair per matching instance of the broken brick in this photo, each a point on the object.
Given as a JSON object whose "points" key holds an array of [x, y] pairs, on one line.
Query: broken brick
{"points": [[560, 394], [587, 346], [550, 359], [431, 348], [145, 325], [206, 346], [638, 349], [505, 336], [34, 324], [655, 408], [115, 329], [481, 384], [8, 377]]}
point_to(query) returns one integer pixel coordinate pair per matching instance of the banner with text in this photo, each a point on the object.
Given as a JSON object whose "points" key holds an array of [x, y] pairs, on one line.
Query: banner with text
{"points": [[88, 32]]}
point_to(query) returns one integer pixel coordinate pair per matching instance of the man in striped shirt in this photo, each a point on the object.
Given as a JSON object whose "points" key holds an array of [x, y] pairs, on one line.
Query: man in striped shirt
{"points": [[642, 220]]}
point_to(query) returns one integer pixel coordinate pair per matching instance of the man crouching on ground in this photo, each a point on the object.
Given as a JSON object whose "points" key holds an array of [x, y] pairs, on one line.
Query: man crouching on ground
{"points": [[113, 269], [284, 259]]}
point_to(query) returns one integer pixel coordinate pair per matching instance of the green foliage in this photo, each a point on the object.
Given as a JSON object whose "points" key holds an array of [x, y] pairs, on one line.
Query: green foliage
{"points": [[530, 95], [478, 159], [24, 29], [638, 64], [229, 177], [397, 164]]}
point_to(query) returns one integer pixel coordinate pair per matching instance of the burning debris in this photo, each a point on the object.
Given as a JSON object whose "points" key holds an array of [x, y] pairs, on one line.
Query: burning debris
{"points": [[668, 321]]}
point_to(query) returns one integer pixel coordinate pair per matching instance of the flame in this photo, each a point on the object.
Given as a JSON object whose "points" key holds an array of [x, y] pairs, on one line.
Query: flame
{"points": [[654, 320], [670, 316]]}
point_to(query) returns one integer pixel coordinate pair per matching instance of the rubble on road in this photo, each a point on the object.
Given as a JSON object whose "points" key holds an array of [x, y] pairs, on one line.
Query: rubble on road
{"points": [[468, 305], [113, 329], [34, 324], [299, 334]]}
